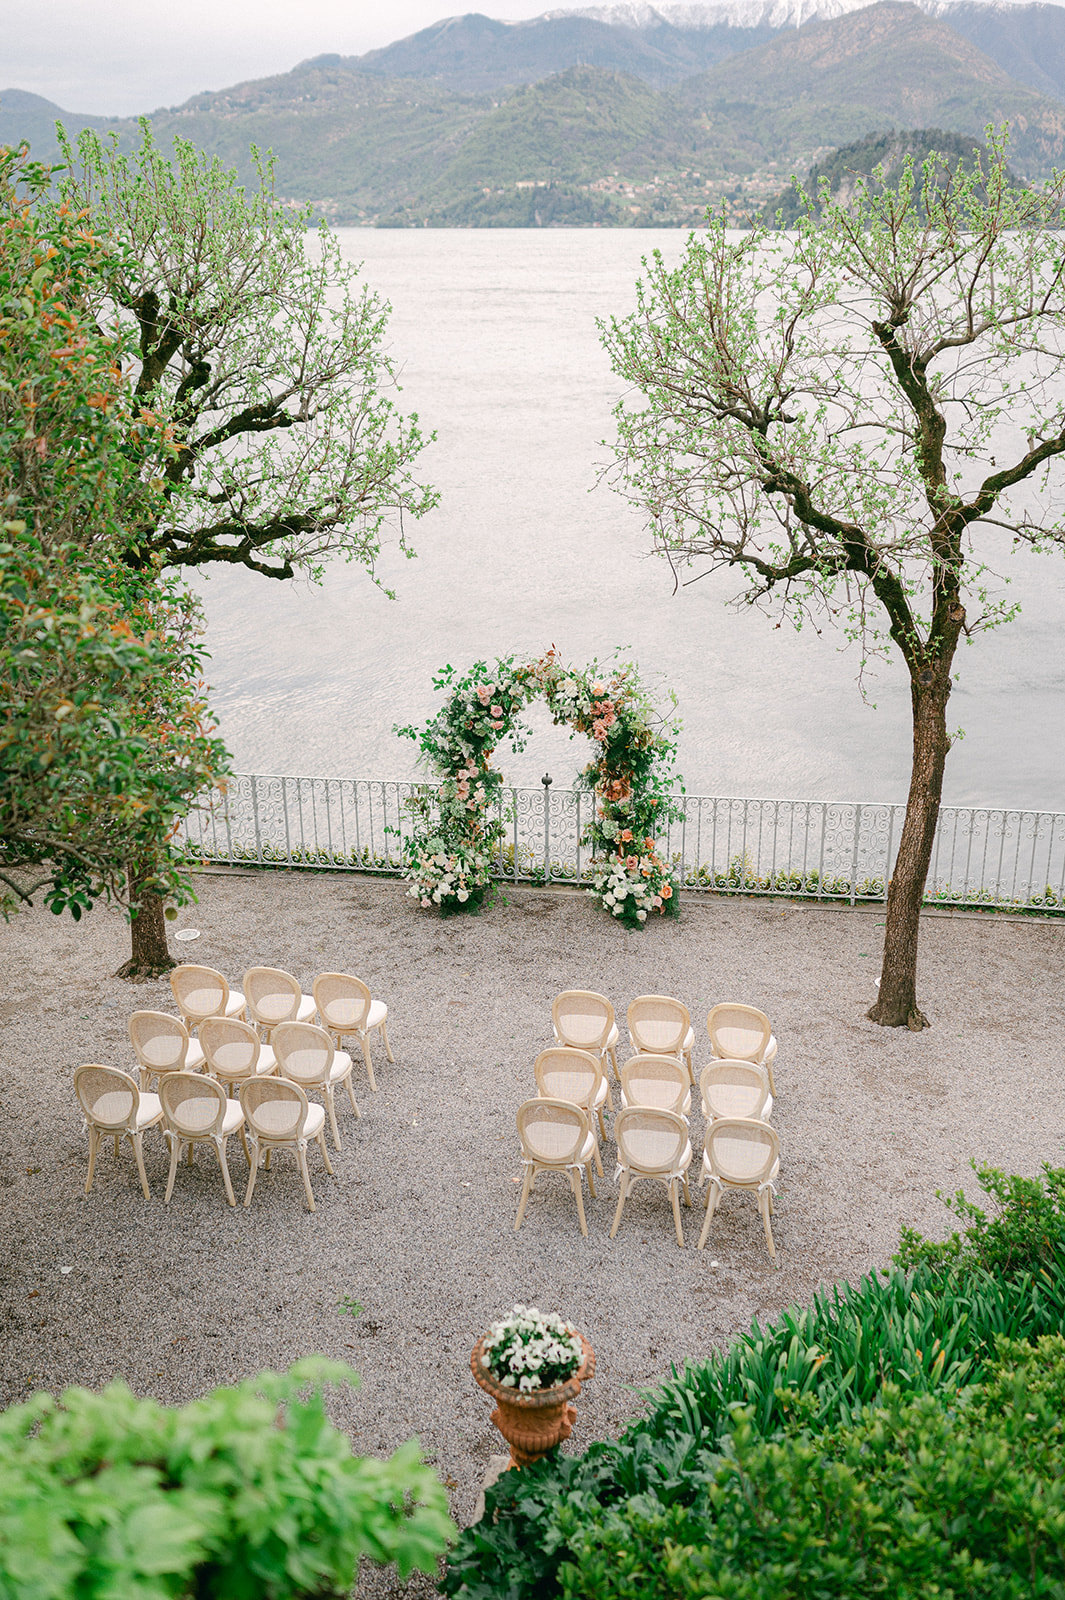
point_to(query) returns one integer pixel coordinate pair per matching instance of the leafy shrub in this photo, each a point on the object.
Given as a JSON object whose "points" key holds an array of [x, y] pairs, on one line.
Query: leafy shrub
{"points": [[1024, 1231], [930, 1326], [929, 1496], [250, 1492]]}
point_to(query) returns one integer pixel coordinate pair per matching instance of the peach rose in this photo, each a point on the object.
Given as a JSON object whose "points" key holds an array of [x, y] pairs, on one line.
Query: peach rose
{"points": [[666, 891]]}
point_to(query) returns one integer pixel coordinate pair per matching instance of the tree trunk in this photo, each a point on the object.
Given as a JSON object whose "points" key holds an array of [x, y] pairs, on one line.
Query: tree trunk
{"points": [[151, 956], [896, 1004]]}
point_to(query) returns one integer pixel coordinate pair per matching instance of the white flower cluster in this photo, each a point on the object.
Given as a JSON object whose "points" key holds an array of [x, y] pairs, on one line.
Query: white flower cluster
{"points": [[532, 1349], [614, 884], [439, 876]]}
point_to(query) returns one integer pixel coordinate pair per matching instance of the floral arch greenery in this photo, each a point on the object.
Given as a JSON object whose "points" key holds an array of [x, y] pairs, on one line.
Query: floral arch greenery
{"points": [[456, 839]]}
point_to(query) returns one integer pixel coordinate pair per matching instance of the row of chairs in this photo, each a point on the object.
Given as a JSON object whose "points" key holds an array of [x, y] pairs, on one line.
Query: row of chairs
{"points": [[231, 1052], [738, 1153], [270, 996], [659, 1025], [270, 1114]]}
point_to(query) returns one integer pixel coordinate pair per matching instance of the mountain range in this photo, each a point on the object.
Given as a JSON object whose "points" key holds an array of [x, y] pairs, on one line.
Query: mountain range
{"points": [[611, 115]]}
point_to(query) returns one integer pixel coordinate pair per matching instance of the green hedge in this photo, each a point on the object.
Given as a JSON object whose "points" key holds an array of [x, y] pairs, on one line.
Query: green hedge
{"points": [[921, 1337], [248, 1494]]}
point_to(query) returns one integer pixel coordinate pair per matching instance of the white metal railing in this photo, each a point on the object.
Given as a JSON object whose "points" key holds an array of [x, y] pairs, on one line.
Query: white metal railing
{"points": [[831, 850]]}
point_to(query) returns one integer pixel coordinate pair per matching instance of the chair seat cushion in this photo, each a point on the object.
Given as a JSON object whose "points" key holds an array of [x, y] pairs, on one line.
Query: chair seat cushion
{"points": [[770, 1049], [315, 1120], [149, 1110], [685, 1109], [341, 1066], [744, 1099], [611, 1038], [307, 1008], [233, 1118], [235, 1003], [689, 1041], [376, 1015], [267, 1061], [733, 1183]]}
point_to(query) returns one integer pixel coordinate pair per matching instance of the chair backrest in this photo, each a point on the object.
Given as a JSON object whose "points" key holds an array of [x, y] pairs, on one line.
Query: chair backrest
{"points": [[232, 1048], [108, 1097], [193, 1106], [272, 996], [565, 1074], [552, 1132], [658, 1024], [740, 1151], [343, 1001], [160, 1042], [738, 1033], [734, 1089], [660, 1081], [275, 1109], [582, 1019], [649, 1140], [199, 991], [304, 1052]]}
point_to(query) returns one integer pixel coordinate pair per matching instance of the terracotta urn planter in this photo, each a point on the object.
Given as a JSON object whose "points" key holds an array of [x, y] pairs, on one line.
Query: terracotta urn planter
{"points": [[536, 1421]]}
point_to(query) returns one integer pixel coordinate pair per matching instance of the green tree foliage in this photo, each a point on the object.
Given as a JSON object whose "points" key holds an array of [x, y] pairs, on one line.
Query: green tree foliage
{"points": [[844, 417], [105, 738], [249, 1491], [266, 361], [771, 1443]]}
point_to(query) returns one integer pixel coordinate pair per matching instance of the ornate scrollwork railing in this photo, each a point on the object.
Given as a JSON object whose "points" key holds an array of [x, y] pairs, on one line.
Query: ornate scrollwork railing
{"points": [[829, 850]]}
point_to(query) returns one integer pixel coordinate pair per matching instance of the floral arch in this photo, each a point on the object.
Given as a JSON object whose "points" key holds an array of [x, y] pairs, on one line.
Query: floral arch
{"points": [[455, 841]]}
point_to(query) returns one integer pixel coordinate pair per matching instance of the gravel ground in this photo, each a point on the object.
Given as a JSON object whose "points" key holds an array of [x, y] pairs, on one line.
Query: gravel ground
{"points": [[417, 1225]]}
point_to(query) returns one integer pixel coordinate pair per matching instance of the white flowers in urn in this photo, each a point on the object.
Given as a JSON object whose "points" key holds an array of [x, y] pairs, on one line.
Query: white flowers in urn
{"points": [[532, 1349]]}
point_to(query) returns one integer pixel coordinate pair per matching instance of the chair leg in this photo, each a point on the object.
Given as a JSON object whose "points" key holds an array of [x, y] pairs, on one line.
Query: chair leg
{"points": [[575, 1179], [327, 1090], [591, 1179], [621, 1202], [351, 1096], [687, 1191], [711, 1206], [602, 1124], [369, 1064], [301, 1157], [244, 1142], [175, 1157], [673, 1188], [609, 1100], [94, 1145], [325, 1153], [388, 1047], [118, 1141], [691, 1069], [613, 1054], [139, 1154], [224, 1164], [253, 1167], [763, 1206], [524, 1201], [597, 1158]]}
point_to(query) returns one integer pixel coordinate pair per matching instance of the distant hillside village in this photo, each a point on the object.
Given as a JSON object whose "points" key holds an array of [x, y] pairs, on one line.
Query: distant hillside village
{"points": [[623, 117]]}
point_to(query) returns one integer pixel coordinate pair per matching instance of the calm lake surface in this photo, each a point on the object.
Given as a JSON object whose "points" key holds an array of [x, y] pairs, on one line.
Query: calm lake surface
{"points": [[495, 332]]}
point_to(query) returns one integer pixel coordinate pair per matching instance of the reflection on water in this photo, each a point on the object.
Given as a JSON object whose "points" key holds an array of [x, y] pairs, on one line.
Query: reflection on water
{"points": [[495, 332]]}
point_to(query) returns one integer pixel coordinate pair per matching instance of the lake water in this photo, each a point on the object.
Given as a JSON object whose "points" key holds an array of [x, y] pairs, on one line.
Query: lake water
{"points": [[495, 332]]}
